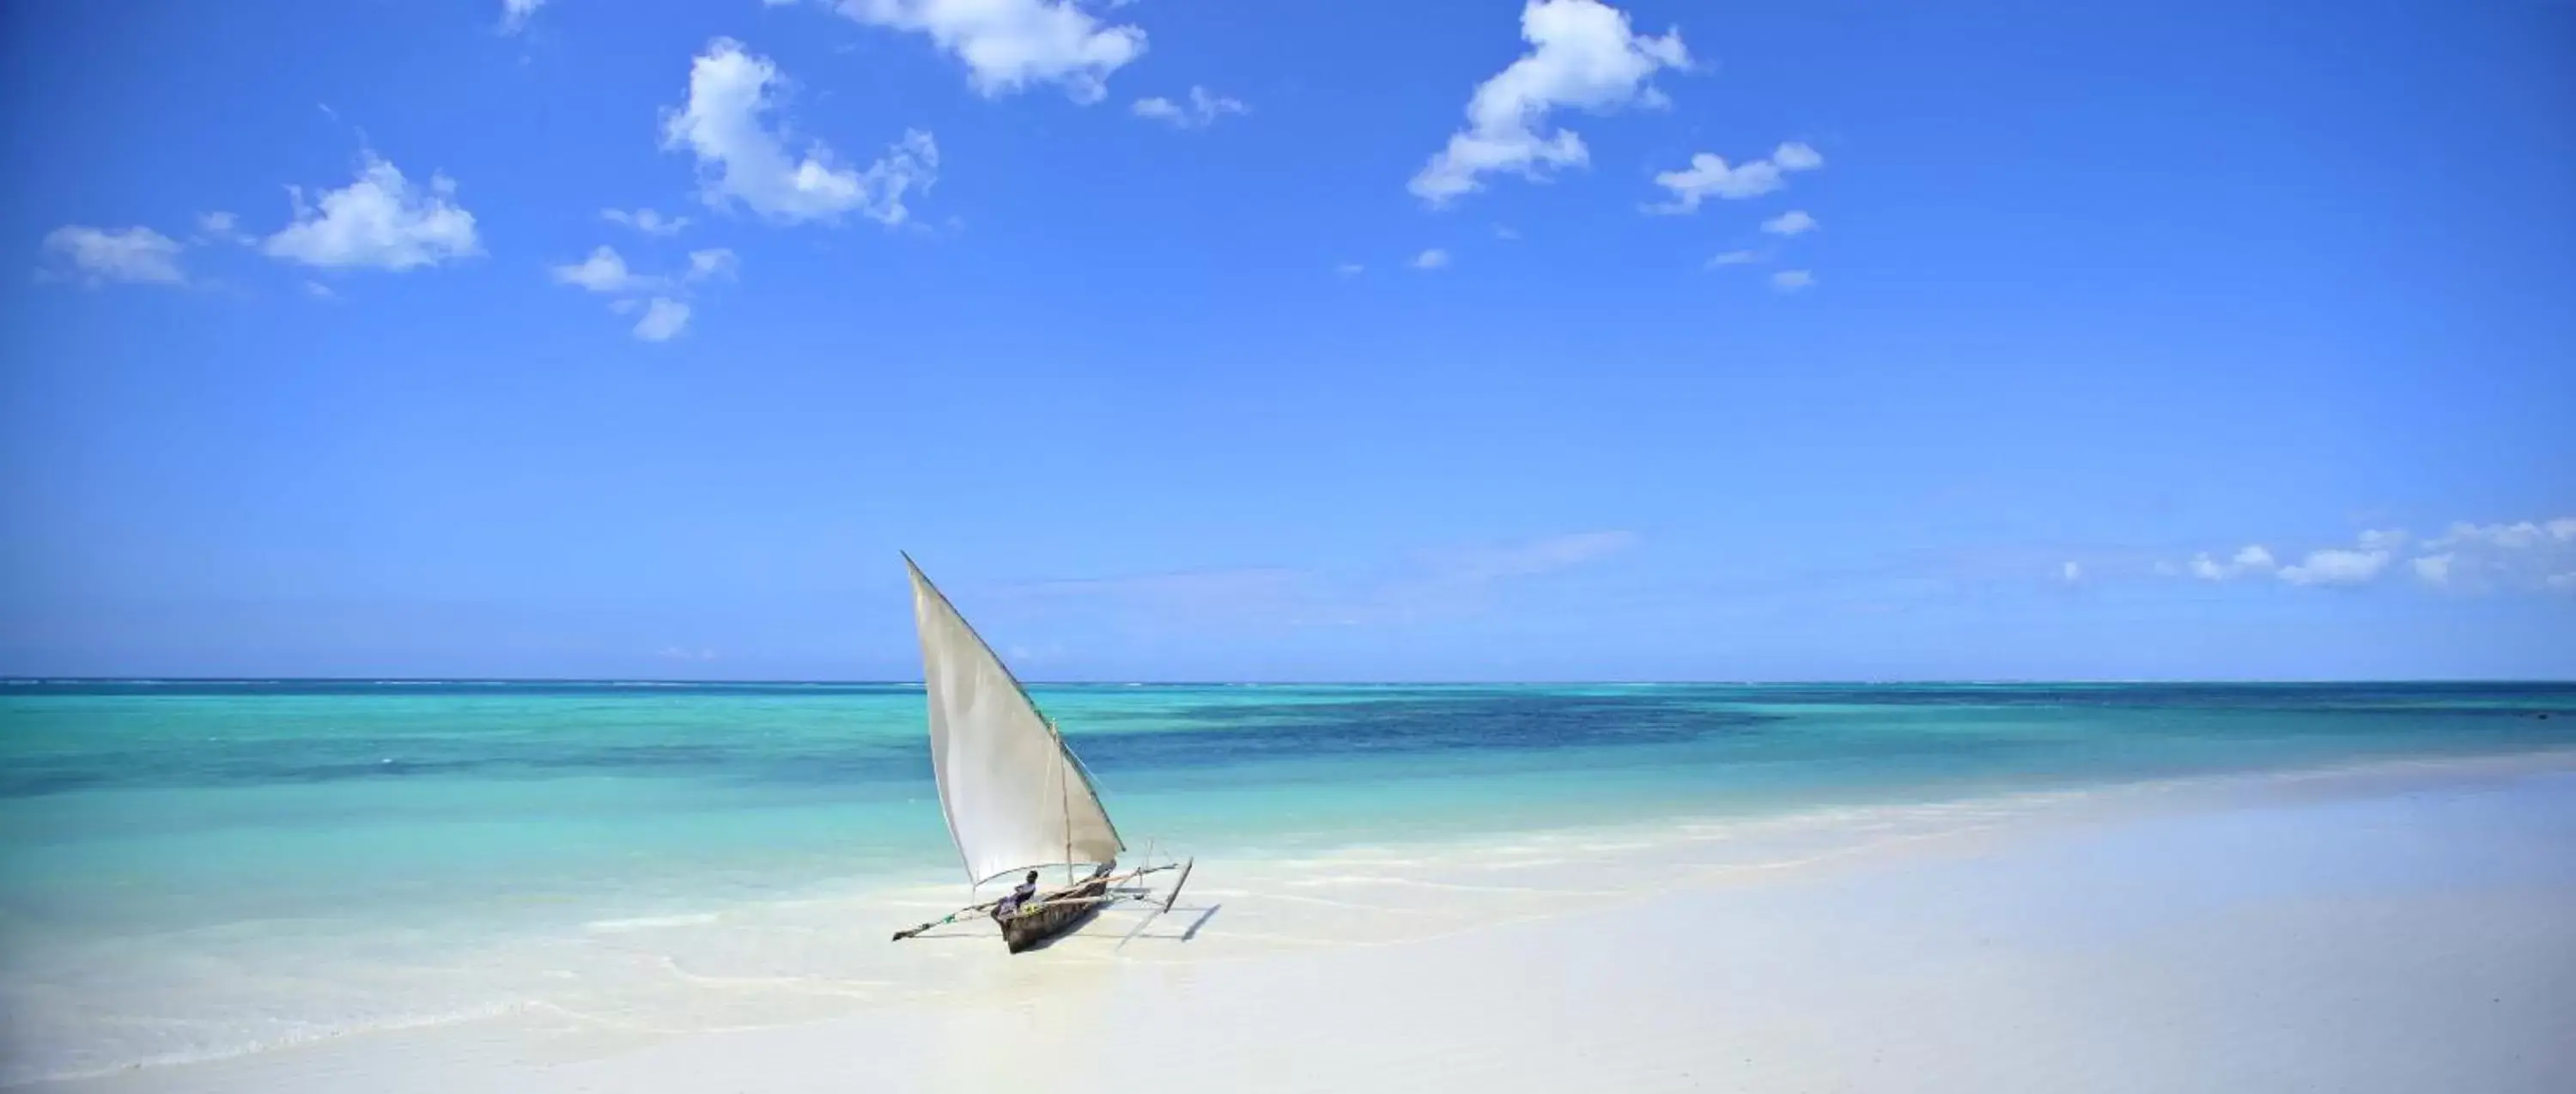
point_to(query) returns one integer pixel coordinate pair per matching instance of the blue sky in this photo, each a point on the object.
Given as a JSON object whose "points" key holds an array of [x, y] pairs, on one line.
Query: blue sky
{"points": [[1272, 340]]}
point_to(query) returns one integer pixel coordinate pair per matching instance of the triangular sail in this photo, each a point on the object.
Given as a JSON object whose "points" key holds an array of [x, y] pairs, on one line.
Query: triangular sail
{"points": [[1014, 795]]}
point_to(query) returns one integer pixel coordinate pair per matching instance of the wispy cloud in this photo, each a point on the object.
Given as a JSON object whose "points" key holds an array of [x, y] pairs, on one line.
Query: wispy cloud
{"points": [[515, 14], [1793, 280], [1734, 258], [1708, 176], [1201, 111], [645, 220], [2253, 558], [664, 319], [667, 313], [1432, 259], [1793, 222], [97, 256], [1582, 55], [1426, 584]]}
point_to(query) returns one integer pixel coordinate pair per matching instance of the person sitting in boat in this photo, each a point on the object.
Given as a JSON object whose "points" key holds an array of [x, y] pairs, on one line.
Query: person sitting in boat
{"points": [[1010, 905]]}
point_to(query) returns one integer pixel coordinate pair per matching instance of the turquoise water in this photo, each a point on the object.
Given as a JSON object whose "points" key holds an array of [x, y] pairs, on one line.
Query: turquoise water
{"points": [[148, 825], [153, 805]]}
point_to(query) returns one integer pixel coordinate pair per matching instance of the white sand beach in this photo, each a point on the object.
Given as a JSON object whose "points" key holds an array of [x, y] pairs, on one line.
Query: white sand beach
{"points": [[2407, 927]]}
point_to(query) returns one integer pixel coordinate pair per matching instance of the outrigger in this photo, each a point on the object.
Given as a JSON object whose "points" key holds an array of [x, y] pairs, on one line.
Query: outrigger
{"points": [[1015, 796]]}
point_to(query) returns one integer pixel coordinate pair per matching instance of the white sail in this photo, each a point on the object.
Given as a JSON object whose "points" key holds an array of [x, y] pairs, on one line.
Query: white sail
{"points": [[1014, 795]]}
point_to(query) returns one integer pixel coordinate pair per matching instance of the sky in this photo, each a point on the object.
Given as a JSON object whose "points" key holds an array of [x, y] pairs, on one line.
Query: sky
{"points": [[1273, 340]]}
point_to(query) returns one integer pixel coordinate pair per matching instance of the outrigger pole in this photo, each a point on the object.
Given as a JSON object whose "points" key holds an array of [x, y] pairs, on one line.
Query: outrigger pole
{"points": [[1183, 867]]}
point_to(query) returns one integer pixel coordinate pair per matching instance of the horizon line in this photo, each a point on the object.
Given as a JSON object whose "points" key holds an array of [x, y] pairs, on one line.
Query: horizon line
{"points": [[16, 680]]}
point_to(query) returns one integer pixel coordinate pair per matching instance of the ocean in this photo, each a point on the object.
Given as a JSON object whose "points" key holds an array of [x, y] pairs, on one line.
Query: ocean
{"points": [[191, 870]]}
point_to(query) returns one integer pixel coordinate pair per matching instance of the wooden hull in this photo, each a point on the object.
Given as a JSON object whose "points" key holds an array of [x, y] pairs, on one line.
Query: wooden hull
{"points": [[1052, 914]]}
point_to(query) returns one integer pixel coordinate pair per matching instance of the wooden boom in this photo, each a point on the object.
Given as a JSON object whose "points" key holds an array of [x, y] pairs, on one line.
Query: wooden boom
{"points": [[1043, 901]]}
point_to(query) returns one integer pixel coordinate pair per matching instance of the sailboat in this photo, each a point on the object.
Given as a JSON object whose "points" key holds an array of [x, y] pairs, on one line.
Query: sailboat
{"points": [[1015, 796]]}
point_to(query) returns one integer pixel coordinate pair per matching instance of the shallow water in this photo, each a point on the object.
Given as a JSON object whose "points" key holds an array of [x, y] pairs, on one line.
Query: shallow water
{"points": [[184, 860]]}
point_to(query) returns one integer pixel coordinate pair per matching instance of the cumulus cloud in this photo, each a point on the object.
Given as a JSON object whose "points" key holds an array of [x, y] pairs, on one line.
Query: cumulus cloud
{"points": [[1008, 45], [605, 272], [1793, 222], [1709, 176], [1432, 259], [2070, 573], [2251, 558], [666, 314], [2467, 557], [1734, 258], [97, 256], [1202, 110], [742, 158], [380, 220], [663, 320], [1792, 280], [645, 220], [1582, 55]]}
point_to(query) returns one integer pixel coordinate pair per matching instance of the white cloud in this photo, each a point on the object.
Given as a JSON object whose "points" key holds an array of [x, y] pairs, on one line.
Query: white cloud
{"points": [[2070, 573], [740, 158], [663, 319], [712, 263], [318, 290], [1202, 110], [379, 220], [221, 227], [645, 220], [1793, 222], [1582, 55], [2336, 566], [1350, 269], [2507, 536], [1431, 259], [2469, 557], [1792, 280], [1709, 176], [1506, 232], [1734, 258], [2251, 558], [605, 272], [1008, 45], [515, 13], [98, 256]]}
